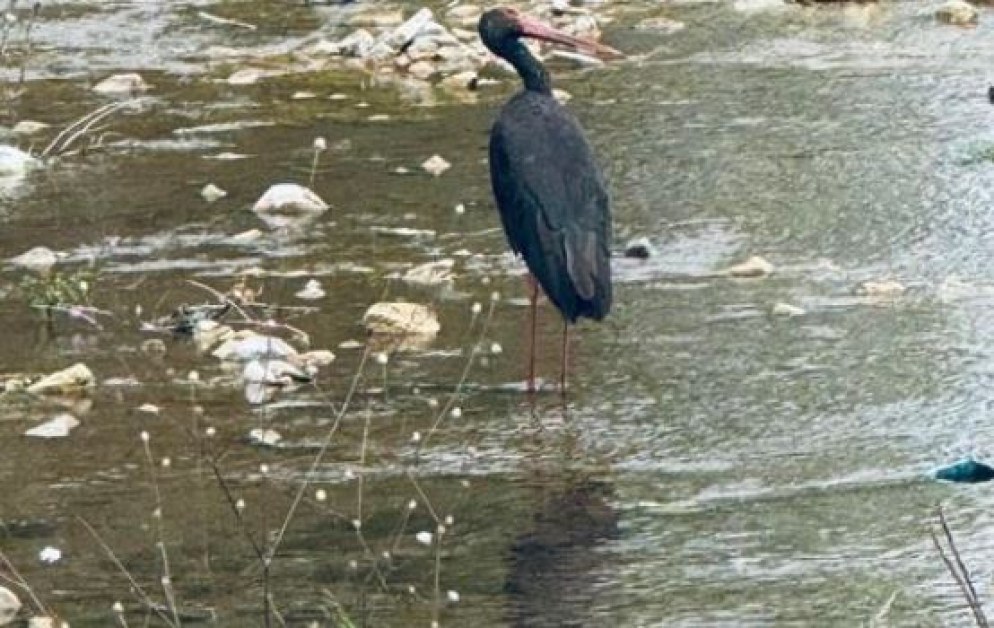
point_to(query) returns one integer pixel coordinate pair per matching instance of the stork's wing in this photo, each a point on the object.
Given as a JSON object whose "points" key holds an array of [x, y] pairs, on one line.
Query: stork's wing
{"points": [[553, 203]]}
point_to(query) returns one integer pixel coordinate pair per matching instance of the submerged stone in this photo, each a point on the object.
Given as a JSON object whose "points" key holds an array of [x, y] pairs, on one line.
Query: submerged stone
{"points": [[755, 266], [289, 196], [121, 84], [401, 318], [967, 471], [640, 248], [58, 427], [72, 379]]}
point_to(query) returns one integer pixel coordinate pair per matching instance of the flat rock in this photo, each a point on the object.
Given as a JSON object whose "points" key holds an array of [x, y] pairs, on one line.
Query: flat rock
{"points": [[401, 318], [284, 196], [75, 378], [431, 273], [40, 259], [435, 165], [877, 288], [755, 266], [58, 427], [121, 84], [788, 310], [253, 347], [28, 127]]}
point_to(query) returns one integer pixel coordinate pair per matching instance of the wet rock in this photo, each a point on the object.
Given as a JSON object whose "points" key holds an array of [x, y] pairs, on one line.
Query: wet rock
{"points": [[788, 310], [14, 161], [252, 347], [273, 373], [460, 80], [211, 193], [755, 266], [148, 408], [311, 291], [401, 318], [289, 196], [43, 621], [465, 15], [435, 165], [967, 471], [58, 427], [957, 13], [28, 127], [422, 48], [406, 32], [40, 259], [9, 606], [561, 95], [313, 359], [73, 379], [881, 288], [431, 274], [421, 70], [121, 84], [640, 248], [244, 237], [303, 95]]}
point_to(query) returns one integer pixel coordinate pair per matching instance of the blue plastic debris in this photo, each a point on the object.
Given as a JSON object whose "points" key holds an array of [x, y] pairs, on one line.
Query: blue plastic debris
{"points": [[965, 471]]}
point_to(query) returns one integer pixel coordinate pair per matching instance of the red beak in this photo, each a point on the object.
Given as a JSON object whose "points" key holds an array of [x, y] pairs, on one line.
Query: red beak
{"points": [[530, 27]]}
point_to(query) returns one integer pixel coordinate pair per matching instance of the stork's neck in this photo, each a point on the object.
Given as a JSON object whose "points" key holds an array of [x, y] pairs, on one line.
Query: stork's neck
{"points": [[530, 69]]}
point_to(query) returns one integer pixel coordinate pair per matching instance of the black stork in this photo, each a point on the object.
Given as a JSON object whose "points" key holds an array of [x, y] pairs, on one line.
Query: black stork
{"points": [[549, 190]]}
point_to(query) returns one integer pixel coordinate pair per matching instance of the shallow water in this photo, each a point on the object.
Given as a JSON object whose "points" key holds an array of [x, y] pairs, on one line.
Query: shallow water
{"points": [[718, 465]]}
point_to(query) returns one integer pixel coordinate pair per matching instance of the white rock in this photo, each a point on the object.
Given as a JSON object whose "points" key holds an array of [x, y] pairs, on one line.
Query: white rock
{"points": [[40, 259], [315, 359], [272, 372], [957, 13], [28, 127], [253, 347], [267, 437], [9, 606], [788, 310], [755, 266], [251, 235], [119, 84], [211, 193], [303, 95], [379, 19], [245, 76], [74, 378], [421, 70], [149, 408], [401, 318], [424, 537], [289, 196], [14, 161], [311, 291], [59, 427], [435, 165], [50, 555], [561, 95], [431, 274], [407, 31]]}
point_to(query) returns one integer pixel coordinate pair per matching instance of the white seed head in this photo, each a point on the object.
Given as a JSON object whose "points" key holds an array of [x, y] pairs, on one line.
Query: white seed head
{"points": [[433, 403], [464, 483], [197, 410], [320, 143], [349, 474], [485, 281], [411, 505], [353, 565], [411, 589], [144, 436], [456, 412], [167, 462], [83, 286], [460, 209], [382, 358], [494, 296], [424, 537], [210, 432], [449, 520], [157, 513], [416, 437], [193, 376], [453, 596], [117, 607], [166, 581], [240, 504], [138, 311], [357, 524], [440, 529], [320, 495], [477, 308], [264, 468], [386, 555], [496, 349]]}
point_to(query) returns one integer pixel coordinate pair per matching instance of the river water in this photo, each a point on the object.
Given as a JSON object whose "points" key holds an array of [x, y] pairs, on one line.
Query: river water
{"points": [[716, 464]]}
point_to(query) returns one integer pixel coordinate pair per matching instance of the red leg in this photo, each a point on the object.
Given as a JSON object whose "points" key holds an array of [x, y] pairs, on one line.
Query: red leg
{"points": [[533, 309]]}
